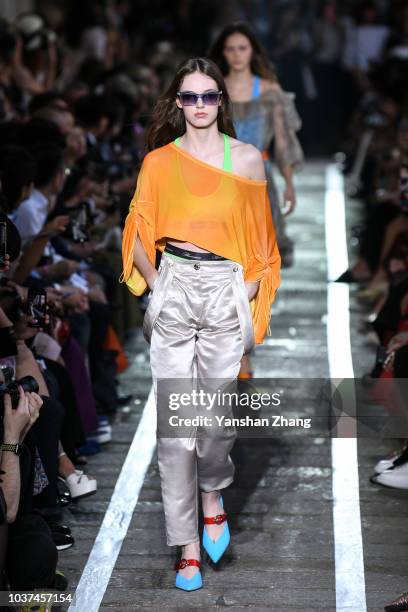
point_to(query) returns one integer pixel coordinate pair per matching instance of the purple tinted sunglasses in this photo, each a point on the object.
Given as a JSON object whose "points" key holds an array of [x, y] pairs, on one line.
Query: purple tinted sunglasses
{"points": [[189, 98]]}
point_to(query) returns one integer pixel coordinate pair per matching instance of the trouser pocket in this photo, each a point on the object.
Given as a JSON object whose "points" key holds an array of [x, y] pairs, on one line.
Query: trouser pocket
{"points": [[243, 308], [157, 297]]}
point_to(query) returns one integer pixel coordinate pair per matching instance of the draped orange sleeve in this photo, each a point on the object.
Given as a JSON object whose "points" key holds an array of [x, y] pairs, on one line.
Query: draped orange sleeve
{"points": [[140, 222], [263, 264]]}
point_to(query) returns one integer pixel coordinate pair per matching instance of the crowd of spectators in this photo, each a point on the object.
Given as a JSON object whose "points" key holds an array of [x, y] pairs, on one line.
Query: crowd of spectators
{"points": [[71, 129], [376, 152], [376, 155], [78, 82]]}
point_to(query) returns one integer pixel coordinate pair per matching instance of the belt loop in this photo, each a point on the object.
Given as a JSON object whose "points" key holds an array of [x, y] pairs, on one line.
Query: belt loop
{"points": [[157, 300], [168, 260]]}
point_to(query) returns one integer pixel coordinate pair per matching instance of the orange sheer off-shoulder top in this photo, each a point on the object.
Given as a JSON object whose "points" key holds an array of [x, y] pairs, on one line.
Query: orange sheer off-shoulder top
{"points": [[180, 196]]}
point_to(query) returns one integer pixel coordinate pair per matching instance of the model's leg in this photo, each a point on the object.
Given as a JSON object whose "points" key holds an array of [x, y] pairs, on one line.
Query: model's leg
{"points": [[399, 224], [171, 357], [219, 350]]}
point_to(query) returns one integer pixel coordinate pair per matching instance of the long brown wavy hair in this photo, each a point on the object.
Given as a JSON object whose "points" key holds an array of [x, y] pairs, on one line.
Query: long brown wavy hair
{"points": [[260, 63], [167, 120]]}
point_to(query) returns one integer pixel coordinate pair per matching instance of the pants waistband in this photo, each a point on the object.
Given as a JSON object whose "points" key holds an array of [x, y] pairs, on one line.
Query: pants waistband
{"points": [[191, 266], [185, 254]]}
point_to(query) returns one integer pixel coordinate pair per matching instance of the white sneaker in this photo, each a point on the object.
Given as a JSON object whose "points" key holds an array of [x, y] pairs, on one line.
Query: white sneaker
{"points": [[388, 461], [102, 435], [80, 485], [395, 477]]}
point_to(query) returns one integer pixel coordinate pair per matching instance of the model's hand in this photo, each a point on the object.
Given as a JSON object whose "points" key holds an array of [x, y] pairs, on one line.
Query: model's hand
{"points": [[152, 280], [252, 288], [76, 299], [16, 421], [61, 269], [96, 294], [24, 327], [34, 404], [56, 226], [5, 264], [289, 199], [12, 288]]}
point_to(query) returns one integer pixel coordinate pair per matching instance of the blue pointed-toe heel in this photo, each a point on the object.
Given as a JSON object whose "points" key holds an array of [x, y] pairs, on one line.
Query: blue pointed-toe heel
{"points": [[216, 548], [188, 584]]}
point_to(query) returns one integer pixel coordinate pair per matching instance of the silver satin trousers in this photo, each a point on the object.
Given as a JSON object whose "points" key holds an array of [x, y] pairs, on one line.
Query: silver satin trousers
{"points": [[198, 323]]}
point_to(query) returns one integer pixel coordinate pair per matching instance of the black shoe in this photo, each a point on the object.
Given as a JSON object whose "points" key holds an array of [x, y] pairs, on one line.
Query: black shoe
{"points": [[287, 259], [398, 605], [55, 527], [63, 500], [287, 252], [60, 582], [124, 400], [62, 540], [403, 458], [79, 459], [347, 277]]}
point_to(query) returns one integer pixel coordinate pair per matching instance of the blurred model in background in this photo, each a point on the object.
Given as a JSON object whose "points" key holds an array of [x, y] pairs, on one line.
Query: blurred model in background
{"points": [[264, 115]]}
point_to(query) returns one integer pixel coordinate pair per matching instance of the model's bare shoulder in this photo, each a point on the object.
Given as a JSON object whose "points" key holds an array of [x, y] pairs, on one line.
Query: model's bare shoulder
{"points": [[267, 85], [247, 160]]}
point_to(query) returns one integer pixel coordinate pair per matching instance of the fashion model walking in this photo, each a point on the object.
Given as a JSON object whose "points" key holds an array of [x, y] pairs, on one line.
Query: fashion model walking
{"points": [[201, 200], [262, 114]]}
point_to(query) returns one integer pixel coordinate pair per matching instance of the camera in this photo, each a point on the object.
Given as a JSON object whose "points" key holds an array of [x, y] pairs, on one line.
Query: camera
{"points": [[79, 224], [36, 306], [28, 383]]}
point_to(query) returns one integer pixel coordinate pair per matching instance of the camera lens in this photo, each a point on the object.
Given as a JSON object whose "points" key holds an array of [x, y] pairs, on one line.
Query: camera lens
{"points": [[29, 384]]}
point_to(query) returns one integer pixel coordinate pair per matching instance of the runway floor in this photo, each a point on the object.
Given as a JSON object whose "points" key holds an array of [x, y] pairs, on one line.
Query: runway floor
{"points": [[297, 543]]}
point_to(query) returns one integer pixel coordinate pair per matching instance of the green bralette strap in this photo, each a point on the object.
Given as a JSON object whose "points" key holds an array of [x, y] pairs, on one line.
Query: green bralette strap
{"points": [[227, 163], [227, 154]]}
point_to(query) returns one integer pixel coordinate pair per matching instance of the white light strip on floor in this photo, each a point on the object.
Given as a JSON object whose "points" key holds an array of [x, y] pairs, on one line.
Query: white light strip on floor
{"points": [[348, 544], [335, 221], [102, 559]]}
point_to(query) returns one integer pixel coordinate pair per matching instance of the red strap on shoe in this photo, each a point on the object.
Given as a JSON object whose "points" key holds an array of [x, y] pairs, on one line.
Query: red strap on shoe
{"points": [[215, 520], [184, 562]]}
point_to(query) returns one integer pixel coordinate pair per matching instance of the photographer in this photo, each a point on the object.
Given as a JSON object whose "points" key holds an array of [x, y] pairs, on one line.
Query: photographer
{"points": [[31, 554], [32, 213], [17, 422], [62, 420], [76, 289]]}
